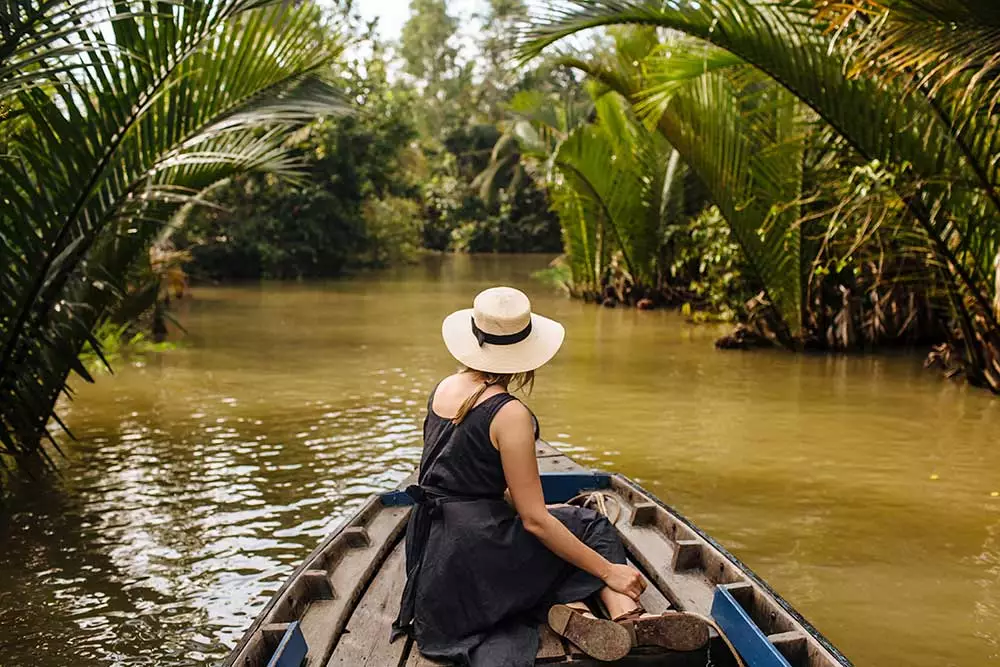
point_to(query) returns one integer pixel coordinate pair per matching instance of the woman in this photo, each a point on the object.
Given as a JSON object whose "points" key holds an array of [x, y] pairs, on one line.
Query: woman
{"points": [[482, 574]]}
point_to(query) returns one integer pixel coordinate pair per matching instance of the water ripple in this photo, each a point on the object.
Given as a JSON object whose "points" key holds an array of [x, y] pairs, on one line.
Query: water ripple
{"points": [[202, 478]]}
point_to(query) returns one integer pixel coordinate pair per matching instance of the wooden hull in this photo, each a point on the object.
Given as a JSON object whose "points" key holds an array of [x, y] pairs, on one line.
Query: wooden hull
{"points": [[337, 608]]}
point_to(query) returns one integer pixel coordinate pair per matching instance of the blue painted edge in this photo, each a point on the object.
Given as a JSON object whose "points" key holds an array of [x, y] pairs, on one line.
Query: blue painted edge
{"points": [[558, 487], [292, 648], [751, 643]]}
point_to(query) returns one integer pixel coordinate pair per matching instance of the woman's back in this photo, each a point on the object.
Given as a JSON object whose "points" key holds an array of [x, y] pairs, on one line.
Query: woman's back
{"points": [[460, 434], [460, 459]]}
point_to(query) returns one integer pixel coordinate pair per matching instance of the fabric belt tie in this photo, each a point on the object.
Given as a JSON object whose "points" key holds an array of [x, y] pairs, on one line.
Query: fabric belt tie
{"points": [[427, 508]]}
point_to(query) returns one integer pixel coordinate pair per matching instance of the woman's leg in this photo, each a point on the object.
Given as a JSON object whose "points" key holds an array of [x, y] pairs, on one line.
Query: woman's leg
{"points": [[617, 603]]}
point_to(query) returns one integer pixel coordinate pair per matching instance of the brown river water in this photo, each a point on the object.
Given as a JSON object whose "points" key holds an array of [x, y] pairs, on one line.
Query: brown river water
{"points": [[859, 487]]}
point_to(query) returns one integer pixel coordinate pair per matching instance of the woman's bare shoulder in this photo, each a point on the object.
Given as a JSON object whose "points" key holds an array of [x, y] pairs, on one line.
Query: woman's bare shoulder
{"points": [[453, 390], [514, 416], [452, 381]]}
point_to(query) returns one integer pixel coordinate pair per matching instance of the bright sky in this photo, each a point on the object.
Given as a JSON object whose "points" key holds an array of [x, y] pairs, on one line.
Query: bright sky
{"points": [[392, 14]]}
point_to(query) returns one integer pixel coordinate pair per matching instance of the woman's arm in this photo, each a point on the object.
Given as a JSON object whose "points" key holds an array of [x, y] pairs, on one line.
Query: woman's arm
{"points": [[513, 434]]}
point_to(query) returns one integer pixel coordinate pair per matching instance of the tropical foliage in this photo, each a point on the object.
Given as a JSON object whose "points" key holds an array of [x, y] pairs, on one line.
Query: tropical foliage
{"points": [[323, 223], [115, 117], [825, 172], [848, 146], [422, 132], [213, 133]]}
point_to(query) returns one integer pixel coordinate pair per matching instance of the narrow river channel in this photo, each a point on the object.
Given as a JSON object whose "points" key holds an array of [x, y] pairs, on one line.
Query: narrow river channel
{"points": [[860, 487]]}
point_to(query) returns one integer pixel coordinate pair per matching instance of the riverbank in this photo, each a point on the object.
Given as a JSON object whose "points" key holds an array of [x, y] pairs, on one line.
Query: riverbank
{"points": [[203, 476]]}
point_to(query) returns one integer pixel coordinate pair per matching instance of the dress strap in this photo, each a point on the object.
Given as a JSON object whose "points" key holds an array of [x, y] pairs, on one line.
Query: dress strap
{"points": [[491, 406], [495, 406]]}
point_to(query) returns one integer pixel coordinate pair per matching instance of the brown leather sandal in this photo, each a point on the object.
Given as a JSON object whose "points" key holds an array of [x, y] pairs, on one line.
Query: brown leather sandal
{"points": [[674, 630], [599, 638]]}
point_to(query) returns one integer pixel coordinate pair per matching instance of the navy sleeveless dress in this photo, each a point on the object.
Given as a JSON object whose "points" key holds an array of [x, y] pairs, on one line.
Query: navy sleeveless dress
{"points": [[478, 583]]}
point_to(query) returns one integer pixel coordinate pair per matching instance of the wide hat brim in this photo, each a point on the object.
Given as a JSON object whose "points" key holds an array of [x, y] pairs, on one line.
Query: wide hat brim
{"points": [[533, 352]]}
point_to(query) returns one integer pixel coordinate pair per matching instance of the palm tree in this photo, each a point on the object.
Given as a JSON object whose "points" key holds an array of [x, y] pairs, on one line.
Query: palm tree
{"points": [[741, 136], [535, 124], [134, 119], [615, 169], [941, 176], [947, 52]]}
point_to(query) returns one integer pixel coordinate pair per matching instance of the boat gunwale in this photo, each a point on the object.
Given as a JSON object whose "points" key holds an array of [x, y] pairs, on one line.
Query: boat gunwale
{"points": [[744, 568], [366, 510]]}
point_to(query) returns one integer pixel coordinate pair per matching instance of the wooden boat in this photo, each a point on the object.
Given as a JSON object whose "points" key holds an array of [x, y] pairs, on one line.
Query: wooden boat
{"points": [[337, 607]]}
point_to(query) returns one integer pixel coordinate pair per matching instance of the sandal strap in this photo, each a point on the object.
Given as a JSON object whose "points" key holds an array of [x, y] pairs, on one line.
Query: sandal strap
{"points": [[633, 615]]}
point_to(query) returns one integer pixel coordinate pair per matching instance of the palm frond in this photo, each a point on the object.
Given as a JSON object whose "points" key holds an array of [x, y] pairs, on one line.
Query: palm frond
{"points": [[579, 220], [942, 188], [39, 40], [204, 90], [534, 127], [745, 146]]}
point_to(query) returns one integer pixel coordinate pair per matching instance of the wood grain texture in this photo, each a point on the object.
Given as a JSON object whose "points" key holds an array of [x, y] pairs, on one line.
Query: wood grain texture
{"points": [[559, 464], [543, 449], [415, 659], [655, 546], [353, 568], [365, 639], [652, 600]]}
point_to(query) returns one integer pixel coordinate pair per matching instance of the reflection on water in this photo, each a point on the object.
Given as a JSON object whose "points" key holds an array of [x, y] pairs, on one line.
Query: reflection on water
{"points": [[203, 475]]}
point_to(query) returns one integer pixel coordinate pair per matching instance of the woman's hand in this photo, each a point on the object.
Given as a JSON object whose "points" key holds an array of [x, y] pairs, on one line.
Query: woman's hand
{"points": [[625, 580]]}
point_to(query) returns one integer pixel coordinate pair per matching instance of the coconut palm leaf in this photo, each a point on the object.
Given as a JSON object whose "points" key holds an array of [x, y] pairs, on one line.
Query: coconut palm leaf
{"points": [[40, 39], [929, 44], [579, 219], [752, 178], [613, 190], [783, 40], [942, 189], [535, 125], [947, 51], [746, 147], [166, 105]]}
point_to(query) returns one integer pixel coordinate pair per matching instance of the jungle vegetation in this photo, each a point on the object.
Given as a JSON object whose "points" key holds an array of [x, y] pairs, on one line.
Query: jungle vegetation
{"points": [[144, 145], [849, 148], [822, 174]]}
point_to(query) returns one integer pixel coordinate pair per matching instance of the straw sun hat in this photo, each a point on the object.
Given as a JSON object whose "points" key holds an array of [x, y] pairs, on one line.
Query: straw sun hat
{"points": [[500, 334]]}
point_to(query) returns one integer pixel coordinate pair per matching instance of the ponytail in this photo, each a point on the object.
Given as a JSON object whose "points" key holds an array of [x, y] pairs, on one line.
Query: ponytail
{"points": [[511, 381]]}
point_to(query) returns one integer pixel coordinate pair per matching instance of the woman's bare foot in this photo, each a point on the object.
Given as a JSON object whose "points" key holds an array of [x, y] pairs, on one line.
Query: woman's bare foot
{"points": [[674, 630], [597, 637]]}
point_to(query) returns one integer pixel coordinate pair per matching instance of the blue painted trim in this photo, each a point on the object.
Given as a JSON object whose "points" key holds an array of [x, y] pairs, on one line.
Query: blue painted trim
{"points": [[396, 499], [292, 648], [751, 643], [558, 487]]}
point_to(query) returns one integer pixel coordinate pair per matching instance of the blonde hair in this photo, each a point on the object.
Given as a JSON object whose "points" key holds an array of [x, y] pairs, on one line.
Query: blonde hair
{"points": [[510, 381]]}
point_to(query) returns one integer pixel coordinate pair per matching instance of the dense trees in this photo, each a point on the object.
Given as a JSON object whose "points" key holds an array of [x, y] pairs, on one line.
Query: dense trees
{"points": [[460, 99], [344, 211], [237, 137], [824, 173], [396, 176]]}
